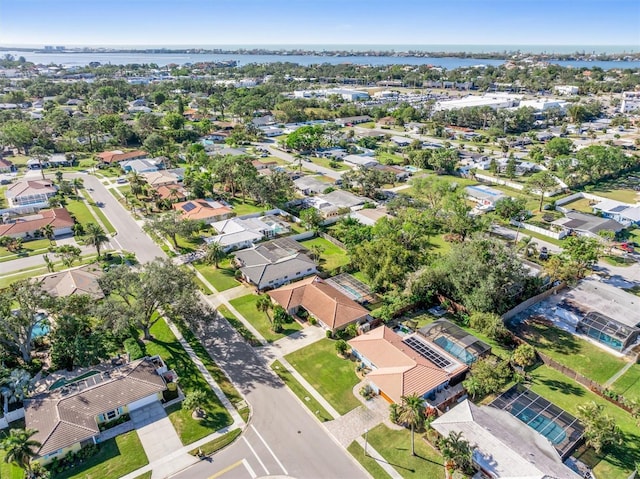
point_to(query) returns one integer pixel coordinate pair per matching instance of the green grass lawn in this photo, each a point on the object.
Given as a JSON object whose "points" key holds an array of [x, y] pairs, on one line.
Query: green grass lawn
{"points": [[217, 444], [299, 390], [395, 446], [389, 158], [246, 306], [370, 464], [239, 326], [169, 348], [439, 244], [107, 224], [581, 204], [629, 383], [326, 163], [573, 352], [568, 394], [8, 470], [116, 458], [222, 278], [626, 195], [331, 257], [81, 212], [28, 248], [618, 260], [247, 207], [333, 377]]}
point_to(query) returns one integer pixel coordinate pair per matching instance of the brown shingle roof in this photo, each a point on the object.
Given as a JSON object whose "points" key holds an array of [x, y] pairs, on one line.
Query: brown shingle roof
{"points": [[56, 217], [322, 300], [76, 281], [399, 370], [22, 188], [63, 418]]}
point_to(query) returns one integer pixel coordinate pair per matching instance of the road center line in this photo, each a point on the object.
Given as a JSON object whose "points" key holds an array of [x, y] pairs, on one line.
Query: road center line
{"points": [[252, 473], [225, 470], [269, 449], [257, 457]]}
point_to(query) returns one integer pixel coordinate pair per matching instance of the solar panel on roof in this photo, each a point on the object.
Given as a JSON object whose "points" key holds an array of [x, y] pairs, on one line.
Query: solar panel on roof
{"points": [[619, 208], [427, 352], [188, 207]]}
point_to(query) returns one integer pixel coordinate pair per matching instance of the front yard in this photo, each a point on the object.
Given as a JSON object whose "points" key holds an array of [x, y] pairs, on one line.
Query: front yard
{"points": [[246, 306], [165, 344], [572, 351], [395, 446], [332, 376], [116, 458], [568, 394], [332, 257], [222, 278]]}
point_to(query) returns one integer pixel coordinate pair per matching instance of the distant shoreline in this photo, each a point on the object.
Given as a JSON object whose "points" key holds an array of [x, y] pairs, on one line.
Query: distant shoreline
{"points": [[341, 53]]}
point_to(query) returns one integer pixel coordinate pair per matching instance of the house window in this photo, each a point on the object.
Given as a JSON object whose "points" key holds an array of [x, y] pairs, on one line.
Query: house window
{"points": [[286, 277], [111, 415], [297, 273]]}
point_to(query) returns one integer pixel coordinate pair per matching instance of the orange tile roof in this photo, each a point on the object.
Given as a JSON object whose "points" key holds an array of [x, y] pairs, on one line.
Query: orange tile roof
{"points": [[399, 370], [118, 156], [166, 192], [202, 209], [322, 300], [56, 217]]}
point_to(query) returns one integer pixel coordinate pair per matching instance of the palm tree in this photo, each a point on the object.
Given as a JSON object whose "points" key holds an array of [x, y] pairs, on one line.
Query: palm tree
{"points": [[49, 263], [20, 448], [213, 254], [49, 233], [77, 184], [412, 413], [14, 387], [264, 305], [95, 236], [456, 450]]}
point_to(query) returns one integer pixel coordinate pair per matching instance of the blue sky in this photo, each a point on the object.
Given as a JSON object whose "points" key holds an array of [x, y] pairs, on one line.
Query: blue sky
{"points": [[304, 22]]}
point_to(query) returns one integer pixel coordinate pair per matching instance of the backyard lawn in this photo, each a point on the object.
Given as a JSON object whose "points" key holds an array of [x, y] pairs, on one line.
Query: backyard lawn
{"points": [[299, 390], [568, 394], [246, 306], [572, 351], [333, 377], [165, 344], [245, 207], [629, 383], [222, 278], [331, 256], [116, 458], [395, 446], [326, 163]]}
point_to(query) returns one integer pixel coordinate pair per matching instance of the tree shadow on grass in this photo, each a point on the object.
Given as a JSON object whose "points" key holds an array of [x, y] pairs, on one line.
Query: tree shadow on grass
{"points": [[563, 387]]}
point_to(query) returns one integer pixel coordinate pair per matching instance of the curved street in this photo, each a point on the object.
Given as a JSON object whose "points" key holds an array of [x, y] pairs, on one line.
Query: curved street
{"points": [[282, 438]]}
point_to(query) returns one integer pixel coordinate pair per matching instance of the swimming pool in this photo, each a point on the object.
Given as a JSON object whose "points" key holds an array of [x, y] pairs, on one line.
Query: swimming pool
{"points": [[543, 425], [452, 348], [41, 327]]}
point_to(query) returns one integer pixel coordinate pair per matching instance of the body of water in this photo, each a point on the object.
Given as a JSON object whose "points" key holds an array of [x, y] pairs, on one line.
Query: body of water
{"points": [[162, 59]]}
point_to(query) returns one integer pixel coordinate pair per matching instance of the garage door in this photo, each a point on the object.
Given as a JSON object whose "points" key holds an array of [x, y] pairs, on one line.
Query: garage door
{"points": [[142, 402], [387, 398]]}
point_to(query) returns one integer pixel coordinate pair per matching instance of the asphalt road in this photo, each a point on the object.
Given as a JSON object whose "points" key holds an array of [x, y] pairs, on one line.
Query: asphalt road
{"points": [[305, 164], [130, 236], [283, 438]]}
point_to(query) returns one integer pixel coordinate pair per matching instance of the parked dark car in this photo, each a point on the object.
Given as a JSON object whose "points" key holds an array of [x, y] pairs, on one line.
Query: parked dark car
{"points": [[544, 253]]}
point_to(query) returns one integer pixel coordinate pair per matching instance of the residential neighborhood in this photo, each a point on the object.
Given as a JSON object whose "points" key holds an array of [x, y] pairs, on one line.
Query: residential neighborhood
{"points": [[304, 268]]}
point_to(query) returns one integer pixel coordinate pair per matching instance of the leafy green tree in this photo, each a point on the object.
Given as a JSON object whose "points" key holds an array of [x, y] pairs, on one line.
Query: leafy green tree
{"points": [[510, 170], [76, 342], [19, 448], [541, 182], [582, 252], [342, 347], [508, 208], [16, 327], [488, 323], [524, 355], [412, 414], [487, 376], [194, 399], [18, 134], [311, 219], [171, 225], [136, 297], [306, 138], [600, 429], [68, 254], [95, 236], [14, 387], [558, 147]]}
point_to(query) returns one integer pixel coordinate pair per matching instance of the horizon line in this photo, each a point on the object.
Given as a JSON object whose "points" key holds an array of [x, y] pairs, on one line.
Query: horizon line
{"points": [[319, 44]]}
